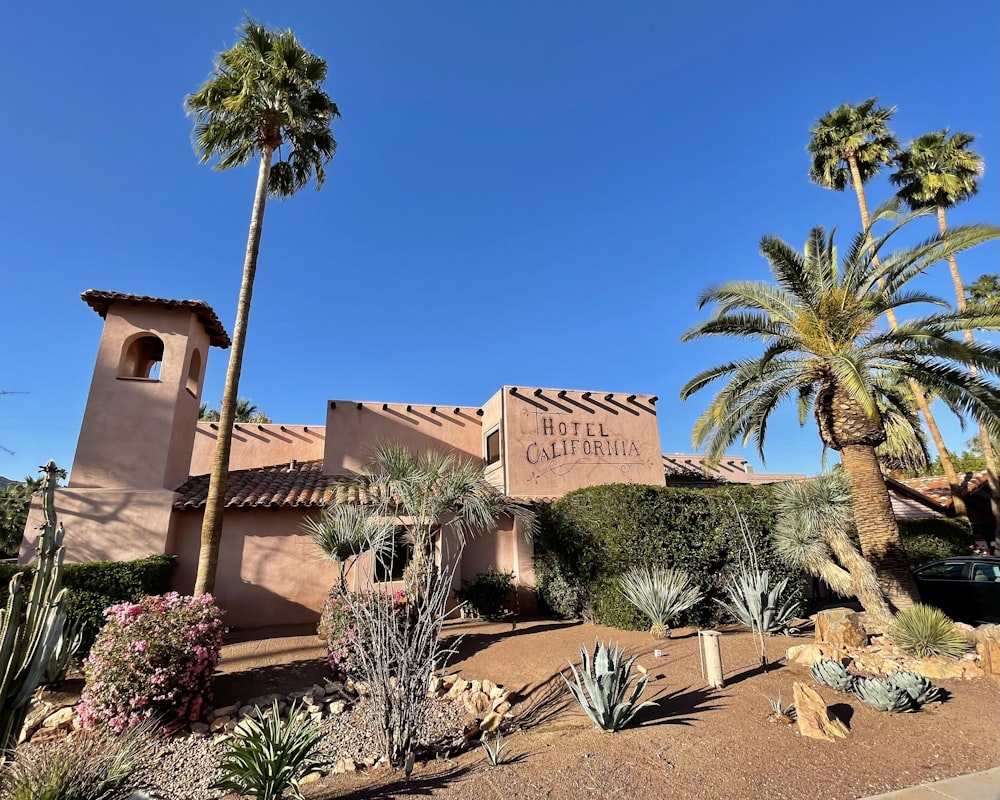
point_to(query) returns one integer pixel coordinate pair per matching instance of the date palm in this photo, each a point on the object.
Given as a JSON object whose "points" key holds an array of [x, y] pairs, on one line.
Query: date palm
{"points": [[939, 171], [824, 349], [850, 145], [264, 100]]}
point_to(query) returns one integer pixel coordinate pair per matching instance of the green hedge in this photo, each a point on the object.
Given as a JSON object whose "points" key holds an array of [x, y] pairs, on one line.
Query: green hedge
{"points": [[590, 536], [94, 585], [928, 540]]}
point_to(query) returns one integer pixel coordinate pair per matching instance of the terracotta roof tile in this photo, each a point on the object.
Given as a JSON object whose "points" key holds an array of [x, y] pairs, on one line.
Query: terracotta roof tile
{"points": [[935, 487], [299, 484], [731, 469], [101, 301]]}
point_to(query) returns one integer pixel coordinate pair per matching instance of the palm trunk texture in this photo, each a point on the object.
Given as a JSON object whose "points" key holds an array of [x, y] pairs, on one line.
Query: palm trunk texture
{"points": [[918, 395], [211, 527]]}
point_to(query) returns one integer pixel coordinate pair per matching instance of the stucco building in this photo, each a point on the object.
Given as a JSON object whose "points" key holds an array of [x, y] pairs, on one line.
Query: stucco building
{"points": [[139, 479]]}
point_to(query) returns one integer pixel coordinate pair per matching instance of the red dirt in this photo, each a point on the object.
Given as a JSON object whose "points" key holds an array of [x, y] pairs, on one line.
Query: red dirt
{"points": [[695, 743]]}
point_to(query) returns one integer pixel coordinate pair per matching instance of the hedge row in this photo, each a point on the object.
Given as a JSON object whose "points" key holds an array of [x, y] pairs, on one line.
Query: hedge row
{"points": [[591, 536], [93, 586]]}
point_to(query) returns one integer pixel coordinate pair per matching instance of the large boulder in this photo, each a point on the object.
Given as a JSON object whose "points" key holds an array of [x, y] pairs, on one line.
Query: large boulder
{"points": [[988, 647], [813, 717], [840, 627]]}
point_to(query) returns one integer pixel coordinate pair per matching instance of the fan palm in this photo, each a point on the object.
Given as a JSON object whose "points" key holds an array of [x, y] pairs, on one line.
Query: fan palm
{"points": [[426, 491], [939, 171], [850, 145], [823, 347], [265, 98]]}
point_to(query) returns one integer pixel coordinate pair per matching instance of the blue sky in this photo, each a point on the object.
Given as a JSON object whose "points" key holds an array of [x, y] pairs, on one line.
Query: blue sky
{"points": [[525, 193]]}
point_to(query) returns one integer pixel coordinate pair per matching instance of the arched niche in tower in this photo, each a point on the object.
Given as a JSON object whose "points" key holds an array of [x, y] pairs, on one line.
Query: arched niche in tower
{"points": [[141, 357], [194, 372]]}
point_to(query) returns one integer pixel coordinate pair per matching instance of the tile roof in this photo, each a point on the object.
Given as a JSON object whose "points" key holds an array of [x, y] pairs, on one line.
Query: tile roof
{"points": [[935, 489], [298, 484], [101, 301]]}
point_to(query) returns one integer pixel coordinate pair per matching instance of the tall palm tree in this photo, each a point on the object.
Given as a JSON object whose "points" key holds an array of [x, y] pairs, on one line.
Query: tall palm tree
{"points": [[823, 348], [850, 145], [422, 492], [265, 98], [939, 171]]}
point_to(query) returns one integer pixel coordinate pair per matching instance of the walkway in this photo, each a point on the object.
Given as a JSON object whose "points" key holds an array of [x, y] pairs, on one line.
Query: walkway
{"points": [[977, 786]]}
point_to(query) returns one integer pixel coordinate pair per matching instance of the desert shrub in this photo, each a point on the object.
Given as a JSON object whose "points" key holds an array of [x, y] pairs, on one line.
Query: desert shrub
{"points": [[926, 631], [486, 595], [268, 756], [96, 766], [153, 660], [660, 593], [595, 534], [339, 625], [927, 540], [93, 586]]}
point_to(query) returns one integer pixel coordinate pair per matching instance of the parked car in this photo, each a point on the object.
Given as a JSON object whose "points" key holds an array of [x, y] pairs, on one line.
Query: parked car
{"points": [[966, 588]]}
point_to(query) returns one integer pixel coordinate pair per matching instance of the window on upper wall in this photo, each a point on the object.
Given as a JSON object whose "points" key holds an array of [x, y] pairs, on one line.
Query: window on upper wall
{"points": [[142, 358], [194, 372], [493, 446]]}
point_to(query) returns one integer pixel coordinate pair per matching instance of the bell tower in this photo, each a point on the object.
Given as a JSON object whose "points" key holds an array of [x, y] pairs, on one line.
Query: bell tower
{"points": [[139, 424]]}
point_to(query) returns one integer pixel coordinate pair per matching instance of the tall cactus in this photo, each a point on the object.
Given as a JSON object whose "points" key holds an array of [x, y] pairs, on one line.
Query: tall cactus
{"points": [[31, 626]]}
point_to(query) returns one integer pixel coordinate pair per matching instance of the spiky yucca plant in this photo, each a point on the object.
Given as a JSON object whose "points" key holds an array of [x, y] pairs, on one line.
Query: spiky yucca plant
{"points": [[661, 593], [268, 756], [925, 631], [603, 686]]}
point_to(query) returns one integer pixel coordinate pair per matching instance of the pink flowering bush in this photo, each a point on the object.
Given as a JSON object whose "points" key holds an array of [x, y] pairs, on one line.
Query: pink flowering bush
{"points": [[152, 660], [339, 626]]}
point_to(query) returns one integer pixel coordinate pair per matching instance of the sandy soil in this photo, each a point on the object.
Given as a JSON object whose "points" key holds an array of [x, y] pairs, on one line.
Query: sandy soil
{"points": [[695, 743]]}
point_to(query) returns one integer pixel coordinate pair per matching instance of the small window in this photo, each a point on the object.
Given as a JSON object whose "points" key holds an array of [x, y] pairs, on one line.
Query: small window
{"points": [[493, 446], [194, 372], [949, 571], [142, 358], [390, 566]]}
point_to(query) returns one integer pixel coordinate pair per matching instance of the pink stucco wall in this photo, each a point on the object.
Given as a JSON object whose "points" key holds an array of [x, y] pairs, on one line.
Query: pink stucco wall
{"points": [[258, 445]]}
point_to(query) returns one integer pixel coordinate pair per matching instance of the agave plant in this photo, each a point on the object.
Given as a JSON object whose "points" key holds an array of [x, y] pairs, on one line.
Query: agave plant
{"points": [[661, 593], [603, 686], [758, 605], [926, 631], [268, 756], [882, 695], [916, 686], [833, 674]]}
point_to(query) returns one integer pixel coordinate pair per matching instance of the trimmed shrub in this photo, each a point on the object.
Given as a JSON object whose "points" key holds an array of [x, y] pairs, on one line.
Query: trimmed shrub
{"points": [[590, 536], [95, 585], [927, 540], [486, 595], [153, 660]]}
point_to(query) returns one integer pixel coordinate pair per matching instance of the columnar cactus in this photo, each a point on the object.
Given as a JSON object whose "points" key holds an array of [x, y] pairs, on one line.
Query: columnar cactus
{"points": [[31, 626]]}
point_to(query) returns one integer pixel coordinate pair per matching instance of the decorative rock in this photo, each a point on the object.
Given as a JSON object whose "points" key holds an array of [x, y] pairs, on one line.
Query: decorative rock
{"points": [[218, 724], [502, 708], [225, 711], [813, 717], [487, 687], [434, 685], [457, 687], [475, 686], [809, 654], [337, 707], [344, 765], [490, 722], [496, 692], [840, 627], [478, 703], [937, 667], [199, 728], [989, 656], [60, 719], [968, 631]]}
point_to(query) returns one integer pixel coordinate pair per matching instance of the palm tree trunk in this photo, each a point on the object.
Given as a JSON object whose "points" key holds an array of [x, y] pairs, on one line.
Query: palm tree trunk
{"points": [[877, 529], [211, 527], [984, 436], [918, 395]]}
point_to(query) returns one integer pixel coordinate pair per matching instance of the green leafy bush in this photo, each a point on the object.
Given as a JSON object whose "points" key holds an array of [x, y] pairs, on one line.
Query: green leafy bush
{"points": [[927, 540], [268, 756], [590, 536], [96, 585], [926, 631], [486, 595], [557, 593]]}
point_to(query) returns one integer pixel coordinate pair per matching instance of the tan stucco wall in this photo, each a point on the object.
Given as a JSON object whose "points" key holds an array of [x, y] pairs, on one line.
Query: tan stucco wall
{"points": [[258, 445], [137, 433], [269, 573], [105, 524], [353, 429], [556, 441]]}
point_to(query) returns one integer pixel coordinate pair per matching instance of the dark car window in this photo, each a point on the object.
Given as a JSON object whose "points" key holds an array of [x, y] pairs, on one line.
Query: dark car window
{"points": [[986, 572], [949, 571]]}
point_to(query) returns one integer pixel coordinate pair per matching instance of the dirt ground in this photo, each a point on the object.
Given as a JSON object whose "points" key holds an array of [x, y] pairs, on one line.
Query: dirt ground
{"points": [[695, 743]]}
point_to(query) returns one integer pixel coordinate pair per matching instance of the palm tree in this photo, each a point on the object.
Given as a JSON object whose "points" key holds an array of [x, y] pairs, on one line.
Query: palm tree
{"points": [[818, 322], [939, 171], [264, 98], [850, 145], [423, 492]]}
